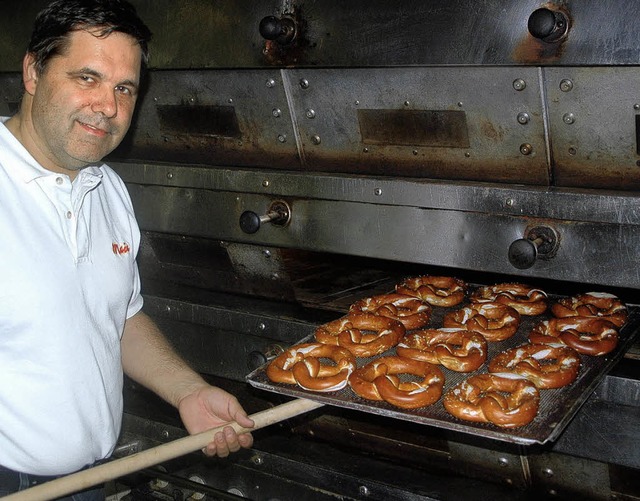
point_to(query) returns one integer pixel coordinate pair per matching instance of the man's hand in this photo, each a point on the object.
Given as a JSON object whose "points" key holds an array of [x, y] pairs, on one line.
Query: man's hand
{"points": [[210, 407]]}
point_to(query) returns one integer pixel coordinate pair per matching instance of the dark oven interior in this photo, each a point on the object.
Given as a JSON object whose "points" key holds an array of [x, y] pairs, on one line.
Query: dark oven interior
{"points": [[290, 157]]}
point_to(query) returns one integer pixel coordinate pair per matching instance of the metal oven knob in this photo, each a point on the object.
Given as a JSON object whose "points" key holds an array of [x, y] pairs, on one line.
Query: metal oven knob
{"points": [[282, 30], [548, 25], [540, 242], [279, 213]]}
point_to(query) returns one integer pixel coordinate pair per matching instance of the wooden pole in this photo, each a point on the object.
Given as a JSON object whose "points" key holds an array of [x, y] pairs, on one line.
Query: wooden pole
{"points": [[99, 474]]}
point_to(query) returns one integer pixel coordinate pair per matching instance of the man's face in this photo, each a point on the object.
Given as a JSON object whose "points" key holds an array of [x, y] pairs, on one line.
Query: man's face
{"points": [[84, 100]]}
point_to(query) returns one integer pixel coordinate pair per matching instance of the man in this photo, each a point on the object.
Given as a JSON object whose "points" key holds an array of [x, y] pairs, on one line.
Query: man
{"points": [[70, 304]]}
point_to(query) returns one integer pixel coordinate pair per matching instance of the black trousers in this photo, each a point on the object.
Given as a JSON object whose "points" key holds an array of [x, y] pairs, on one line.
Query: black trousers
{"points": [[14, 481]]}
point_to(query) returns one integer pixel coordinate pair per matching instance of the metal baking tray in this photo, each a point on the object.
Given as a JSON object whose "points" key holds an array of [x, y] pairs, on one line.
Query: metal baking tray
{"points": [[557, 406]]}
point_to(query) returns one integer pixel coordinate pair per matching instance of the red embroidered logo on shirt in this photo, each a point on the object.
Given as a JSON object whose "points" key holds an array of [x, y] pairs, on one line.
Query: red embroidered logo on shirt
{"points": [[120, 249]]}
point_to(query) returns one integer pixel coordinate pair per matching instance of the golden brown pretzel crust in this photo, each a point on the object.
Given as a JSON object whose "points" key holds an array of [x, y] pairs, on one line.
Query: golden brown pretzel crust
{"points": [[301, 365], [488, 398], [592, 304], [459, 350], [378, 381], [587, 335], [411, 311], [437, 291], [545, 366], [364, 334], [527, 300], [495, 321]]}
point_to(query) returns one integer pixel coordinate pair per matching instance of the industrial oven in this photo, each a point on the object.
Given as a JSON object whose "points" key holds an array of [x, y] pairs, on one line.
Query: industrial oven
{"points": [[291, 157]]}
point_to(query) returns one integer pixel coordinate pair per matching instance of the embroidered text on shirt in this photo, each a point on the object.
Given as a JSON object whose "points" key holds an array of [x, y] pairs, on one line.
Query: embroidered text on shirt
{"points": [[120, 249]]}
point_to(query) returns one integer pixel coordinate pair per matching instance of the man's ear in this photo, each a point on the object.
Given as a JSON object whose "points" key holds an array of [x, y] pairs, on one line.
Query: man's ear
{"points": [[29, 73]]}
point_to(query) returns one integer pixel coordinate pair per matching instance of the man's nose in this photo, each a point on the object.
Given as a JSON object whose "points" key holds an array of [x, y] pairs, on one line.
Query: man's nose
{"points": [[105, 102]]}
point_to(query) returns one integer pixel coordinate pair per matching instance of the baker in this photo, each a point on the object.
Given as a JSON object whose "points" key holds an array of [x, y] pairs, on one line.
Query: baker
{"points": [[71, 320]]}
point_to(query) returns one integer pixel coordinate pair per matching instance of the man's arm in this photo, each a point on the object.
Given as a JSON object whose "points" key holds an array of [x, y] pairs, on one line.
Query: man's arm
{"points": [[149, 359]]}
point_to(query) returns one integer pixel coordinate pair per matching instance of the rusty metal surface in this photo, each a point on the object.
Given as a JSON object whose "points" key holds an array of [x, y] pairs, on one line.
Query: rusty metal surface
{"points": [[557, 407]]}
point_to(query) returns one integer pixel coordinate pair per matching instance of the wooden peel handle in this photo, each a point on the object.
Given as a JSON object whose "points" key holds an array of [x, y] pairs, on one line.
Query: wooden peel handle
{"points": [[156, 455]]}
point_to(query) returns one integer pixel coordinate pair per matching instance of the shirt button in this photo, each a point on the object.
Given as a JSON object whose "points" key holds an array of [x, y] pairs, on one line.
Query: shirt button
{"points": [[69, 214], [59, 180]]}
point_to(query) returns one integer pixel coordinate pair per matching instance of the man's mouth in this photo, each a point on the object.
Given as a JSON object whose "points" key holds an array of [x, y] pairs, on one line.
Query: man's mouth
{"points": [[94, 130]]}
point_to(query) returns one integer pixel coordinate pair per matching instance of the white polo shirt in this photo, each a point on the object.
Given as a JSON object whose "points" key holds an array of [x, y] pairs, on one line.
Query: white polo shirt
{"points": [[68, 280]]}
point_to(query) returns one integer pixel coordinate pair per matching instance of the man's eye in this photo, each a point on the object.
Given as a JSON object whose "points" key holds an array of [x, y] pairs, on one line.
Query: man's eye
{"points": [[86, 78], [123, 90]]}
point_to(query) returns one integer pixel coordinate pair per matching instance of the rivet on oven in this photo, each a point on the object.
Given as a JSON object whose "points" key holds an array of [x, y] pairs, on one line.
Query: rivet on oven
{"points": [[365, 150], [315, 139], [553, 492], [523, 118], [265, 183], [519, 84], [270, 83], [377, 191], [548, 472], [169, 175], [566, 85], [262, 326], [572, 151], [509, 202], [364, 490], [415, 152], [357, 103], [407, 103], [636, 106], [504, 462], [267, 253], [230, 100], [310, 113], [165, 434], [257, 459], [526, 149], [568, 118], [282, 138], [460, 104], [467, 154], [304, 83]]}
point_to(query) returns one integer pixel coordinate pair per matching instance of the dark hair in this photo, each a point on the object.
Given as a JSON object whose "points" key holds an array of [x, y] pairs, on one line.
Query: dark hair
{"points": [[61, 17]]}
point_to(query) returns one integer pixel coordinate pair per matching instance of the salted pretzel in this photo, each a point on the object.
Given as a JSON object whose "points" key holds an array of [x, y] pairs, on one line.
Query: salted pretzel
{"points": [[411, 311], [587, 335], [379, 381], [525, 299], [506, 401], [459, 350], [545, 366], [495, 321], [303, 365], [592, 304], [363, 334], [437, 291]]}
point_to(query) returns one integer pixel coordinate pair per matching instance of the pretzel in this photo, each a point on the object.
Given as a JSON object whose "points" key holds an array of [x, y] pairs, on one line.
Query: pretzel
{"points": [[587, 335], [378, 381], [508, 402], [411, 311], [592, 304], [543, 365], [525, 299], [495, 321], [459, 350], [437, 291], [301, 365], [347, 332]]}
